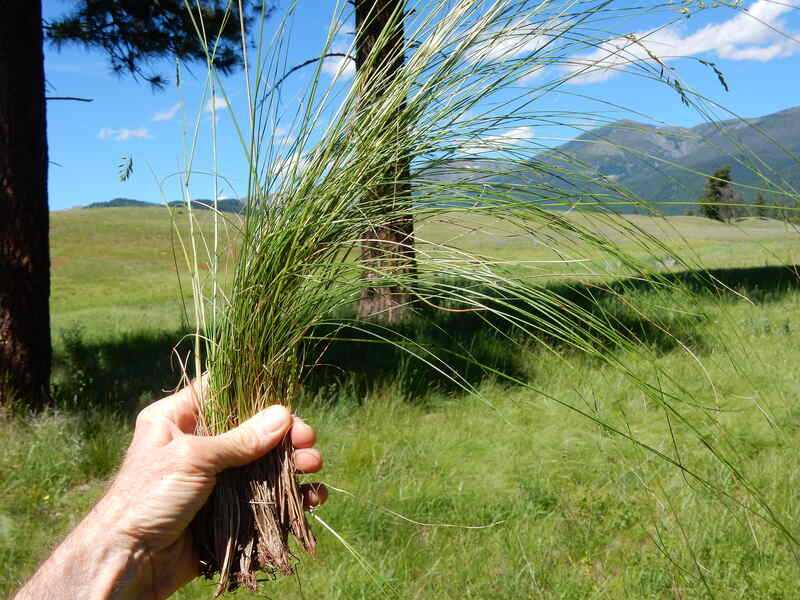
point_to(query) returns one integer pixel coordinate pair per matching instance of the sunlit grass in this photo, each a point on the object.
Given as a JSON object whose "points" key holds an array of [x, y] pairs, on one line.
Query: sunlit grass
{"points": [[582, 512], [113, 268], [615, 426]]}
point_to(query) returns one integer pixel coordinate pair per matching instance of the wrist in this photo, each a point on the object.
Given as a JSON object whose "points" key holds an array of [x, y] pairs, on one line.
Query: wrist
{"points": [[125, 565], [97, 561]]}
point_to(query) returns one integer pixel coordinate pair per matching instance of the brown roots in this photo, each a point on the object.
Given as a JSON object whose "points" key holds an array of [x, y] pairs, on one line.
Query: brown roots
{"points": [[244, 527]]}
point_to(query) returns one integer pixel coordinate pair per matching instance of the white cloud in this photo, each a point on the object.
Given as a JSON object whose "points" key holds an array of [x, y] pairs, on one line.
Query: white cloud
{"points": [[536, 72], [169, 113], [751, 35], [216, 103], [120, 135], [282, 136], [516, 40], [295, 163], [763, 53], [502, 141], [343, 26], [339, 66], [511, 41]]}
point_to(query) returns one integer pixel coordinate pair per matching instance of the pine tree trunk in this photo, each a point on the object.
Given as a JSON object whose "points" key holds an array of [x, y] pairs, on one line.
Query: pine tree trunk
{"points": [[24, 218], [389, 249]]}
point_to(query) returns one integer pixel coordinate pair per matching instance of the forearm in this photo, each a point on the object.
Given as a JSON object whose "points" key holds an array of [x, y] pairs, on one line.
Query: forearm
{"points": [[92, 563], [136, 544]]}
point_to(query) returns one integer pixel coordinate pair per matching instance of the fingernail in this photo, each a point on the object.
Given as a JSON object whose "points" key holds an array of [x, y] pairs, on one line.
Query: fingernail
{"points": [[274, 419]]}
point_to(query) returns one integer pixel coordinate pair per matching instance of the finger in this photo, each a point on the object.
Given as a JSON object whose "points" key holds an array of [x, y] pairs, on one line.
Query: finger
{"points": [[303, 435], [307, 460], [313, 494], [182, 407], [178, 412], [188, 402], [249, 441]]}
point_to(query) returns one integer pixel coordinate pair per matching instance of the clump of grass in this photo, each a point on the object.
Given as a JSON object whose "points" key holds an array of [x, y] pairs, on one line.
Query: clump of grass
{"points": [[408, 141]]}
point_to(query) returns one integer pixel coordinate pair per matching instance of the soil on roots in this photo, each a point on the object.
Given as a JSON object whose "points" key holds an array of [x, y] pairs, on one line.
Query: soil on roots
{"points": [[244, 527]]}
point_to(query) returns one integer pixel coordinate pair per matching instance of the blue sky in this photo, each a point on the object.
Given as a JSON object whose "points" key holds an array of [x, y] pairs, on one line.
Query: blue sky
{"points": [[758, 52]]}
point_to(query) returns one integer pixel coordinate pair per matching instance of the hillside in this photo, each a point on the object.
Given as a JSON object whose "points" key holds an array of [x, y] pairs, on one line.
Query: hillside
{"points": [[226, 205], [660, 164], [121, 203], [663, 165]]}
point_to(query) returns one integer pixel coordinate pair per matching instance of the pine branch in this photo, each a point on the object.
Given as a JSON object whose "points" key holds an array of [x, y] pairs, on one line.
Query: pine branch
{"points": [[76, 98]]}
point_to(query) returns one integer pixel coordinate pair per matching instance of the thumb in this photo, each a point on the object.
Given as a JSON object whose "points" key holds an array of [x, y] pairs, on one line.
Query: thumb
{"points": [[248, 442]]}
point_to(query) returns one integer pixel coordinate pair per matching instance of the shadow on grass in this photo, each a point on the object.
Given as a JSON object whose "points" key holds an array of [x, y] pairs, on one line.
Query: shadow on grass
{"points": [[445, 351], [430, 352], [759, 284], [461, 349], [119, 374], [435, 351]]}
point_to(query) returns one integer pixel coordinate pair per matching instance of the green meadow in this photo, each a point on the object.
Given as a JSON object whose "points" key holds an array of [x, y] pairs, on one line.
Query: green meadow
{"points": [[527, 486]]}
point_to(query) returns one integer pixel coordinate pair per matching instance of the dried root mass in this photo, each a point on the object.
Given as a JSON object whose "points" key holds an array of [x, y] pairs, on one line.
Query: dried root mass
{"points": [[244, 527]]}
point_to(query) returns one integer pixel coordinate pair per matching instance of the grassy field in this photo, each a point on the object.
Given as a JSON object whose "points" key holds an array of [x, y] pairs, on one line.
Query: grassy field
{"points": [[514, 491]]}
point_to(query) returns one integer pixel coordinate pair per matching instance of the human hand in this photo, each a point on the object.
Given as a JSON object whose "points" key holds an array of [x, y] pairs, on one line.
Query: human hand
{"points": [[141, 526]]}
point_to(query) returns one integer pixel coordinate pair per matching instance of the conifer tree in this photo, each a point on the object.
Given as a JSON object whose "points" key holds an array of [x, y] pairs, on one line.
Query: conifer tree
{"points": [[711, 200], [761, 207], [24, 249], [134, 34], [380, 47]]}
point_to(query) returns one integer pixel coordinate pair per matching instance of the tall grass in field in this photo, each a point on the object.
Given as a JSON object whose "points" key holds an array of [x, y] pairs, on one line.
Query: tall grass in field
{"points": [[434, 127]]}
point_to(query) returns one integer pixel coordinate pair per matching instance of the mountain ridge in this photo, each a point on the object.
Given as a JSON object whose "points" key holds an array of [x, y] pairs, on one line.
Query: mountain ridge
{"points": [[668, 164], [665, 165], [227, 205]]}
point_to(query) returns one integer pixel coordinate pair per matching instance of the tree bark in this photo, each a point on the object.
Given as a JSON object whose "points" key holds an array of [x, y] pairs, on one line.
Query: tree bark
{"points": [[24, 218], [388, 250]]}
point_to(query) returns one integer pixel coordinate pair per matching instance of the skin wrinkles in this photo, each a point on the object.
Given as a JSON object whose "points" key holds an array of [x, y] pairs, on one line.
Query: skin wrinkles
{"points": [[135, 543]]}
